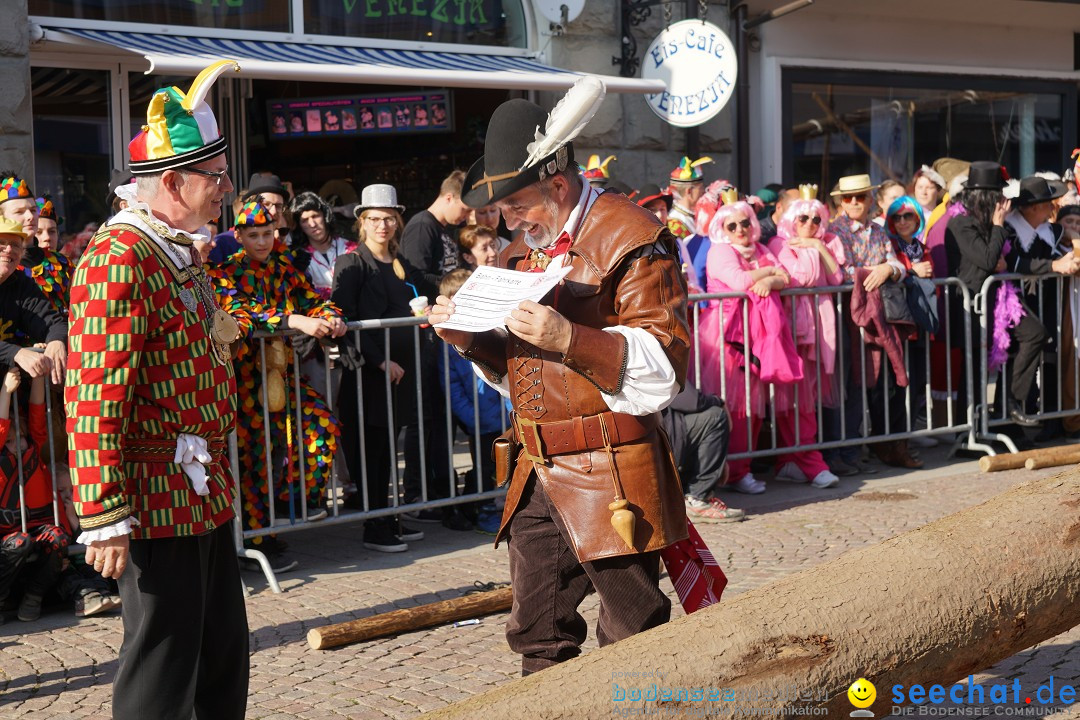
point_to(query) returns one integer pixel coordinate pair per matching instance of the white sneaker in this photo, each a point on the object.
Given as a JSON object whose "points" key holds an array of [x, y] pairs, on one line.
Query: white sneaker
{"points": [[750, 485], [824, 479], [790, 472]]}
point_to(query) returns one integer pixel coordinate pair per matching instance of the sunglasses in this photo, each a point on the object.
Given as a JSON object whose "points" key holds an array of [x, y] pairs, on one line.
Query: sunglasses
{"points": [[803, 219], [853, 198], [904, 216], [744, 224]]}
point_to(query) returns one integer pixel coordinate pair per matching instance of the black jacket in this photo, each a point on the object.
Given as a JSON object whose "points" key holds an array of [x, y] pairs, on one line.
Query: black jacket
{"points": [[972, 252], [24, 307], [359, 292]]}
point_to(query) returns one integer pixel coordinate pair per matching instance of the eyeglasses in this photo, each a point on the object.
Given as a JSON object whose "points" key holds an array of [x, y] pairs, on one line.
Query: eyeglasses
{"points": [[16, 246], [860, 197], [218, 175], [744, 224], [275, 207], [803, 219], [387, 221], [904, 216]]}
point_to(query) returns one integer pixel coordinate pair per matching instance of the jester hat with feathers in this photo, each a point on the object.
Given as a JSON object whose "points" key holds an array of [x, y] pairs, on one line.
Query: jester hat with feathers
{"points": [[525, 144], [180, 127]]}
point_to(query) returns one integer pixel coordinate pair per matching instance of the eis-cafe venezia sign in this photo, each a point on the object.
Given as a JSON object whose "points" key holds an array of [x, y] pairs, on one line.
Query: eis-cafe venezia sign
{"points": [[696, 61]]}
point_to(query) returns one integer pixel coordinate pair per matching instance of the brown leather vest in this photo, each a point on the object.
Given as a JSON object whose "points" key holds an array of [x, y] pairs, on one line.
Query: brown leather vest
{"points": [[611, 284]]}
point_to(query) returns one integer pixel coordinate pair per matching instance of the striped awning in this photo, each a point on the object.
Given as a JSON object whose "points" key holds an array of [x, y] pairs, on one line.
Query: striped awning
{"points": [[186, 55]]}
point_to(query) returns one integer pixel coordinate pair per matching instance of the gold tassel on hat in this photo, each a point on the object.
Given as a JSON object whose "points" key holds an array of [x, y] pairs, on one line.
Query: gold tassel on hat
{"points": [[808, 192]]}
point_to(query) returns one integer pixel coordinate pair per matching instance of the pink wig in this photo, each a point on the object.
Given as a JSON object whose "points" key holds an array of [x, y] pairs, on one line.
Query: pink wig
{"points": [[718, 234], [786, 228]]}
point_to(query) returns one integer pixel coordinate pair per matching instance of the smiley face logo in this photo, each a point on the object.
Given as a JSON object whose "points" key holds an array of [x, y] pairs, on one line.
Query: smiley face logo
{"points": [[862, 693]]}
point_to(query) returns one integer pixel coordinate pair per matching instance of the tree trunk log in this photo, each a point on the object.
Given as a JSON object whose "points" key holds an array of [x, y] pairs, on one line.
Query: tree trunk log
{"points": [[1053, 457], [399, 621], [1008, 461], [929, 606]]}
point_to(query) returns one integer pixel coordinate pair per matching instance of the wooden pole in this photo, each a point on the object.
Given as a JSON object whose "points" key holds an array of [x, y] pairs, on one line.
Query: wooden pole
{"points": [[930, 606], [1053, 457], [1012, 461], [399, 621]]}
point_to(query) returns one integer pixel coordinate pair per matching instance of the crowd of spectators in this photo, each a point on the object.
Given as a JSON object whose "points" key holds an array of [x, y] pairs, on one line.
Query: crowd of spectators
{"points": [[767, 362]]}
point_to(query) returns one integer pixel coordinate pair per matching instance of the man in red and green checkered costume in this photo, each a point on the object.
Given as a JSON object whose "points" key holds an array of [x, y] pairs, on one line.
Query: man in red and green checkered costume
{"points": [[150, 399]]}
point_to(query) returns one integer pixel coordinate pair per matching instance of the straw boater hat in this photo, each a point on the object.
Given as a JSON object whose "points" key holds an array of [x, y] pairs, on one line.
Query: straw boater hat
{"points": [[525, 144], [10, 227], [180, 127], [853, 185], [378, 196], [13, 187]]}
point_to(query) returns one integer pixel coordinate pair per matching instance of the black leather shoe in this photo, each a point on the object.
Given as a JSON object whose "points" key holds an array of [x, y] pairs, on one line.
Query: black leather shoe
{"points": [[1016, 414]]}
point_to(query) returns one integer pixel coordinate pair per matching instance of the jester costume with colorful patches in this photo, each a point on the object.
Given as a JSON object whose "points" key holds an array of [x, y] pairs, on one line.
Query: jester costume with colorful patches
{"points": [[52, 273], [141, 370], [259, 296]]}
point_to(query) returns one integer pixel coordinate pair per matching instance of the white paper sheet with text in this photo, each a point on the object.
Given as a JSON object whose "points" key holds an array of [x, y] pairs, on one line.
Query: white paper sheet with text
{"points": [[490, 294]]}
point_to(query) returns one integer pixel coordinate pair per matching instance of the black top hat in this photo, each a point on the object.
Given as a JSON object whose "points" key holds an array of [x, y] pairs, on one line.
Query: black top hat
{"points": [[984, 175], [496, 175], [650, 192], [265, 182], [1035, 189]]}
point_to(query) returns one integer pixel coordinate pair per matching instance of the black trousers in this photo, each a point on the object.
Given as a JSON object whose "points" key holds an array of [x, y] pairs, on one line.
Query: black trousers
{"points": [[185, 649], [549, 584]]}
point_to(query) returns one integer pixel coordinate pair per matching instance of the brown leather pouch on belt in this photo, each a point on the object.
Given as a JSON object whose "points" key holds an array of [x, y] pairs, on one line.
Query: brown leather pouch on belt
{"points": [[504, 453]]}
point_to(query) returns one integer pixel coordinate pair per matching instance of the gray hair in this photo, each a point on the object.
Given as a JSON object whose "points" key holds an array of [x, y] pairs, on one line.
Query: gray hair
{"points": [[146, 186]]}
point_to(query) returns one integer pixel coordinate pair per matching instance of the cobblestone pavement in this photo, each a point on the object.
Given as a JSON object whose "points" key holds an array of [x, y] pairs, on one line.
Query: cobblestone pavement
{"points": [[61, 667]]}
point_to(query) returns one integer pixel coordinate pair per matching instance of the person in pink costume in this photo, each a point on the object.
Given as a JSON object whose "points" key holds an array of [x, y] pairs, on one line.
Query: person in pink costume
{"points": [[741, 355], [812, 257]]}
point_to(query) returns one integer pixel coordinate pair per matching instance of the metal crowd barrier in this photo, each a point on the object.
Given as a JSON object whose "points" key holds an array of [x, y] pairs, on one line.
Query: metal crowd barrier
{"points": [[972, 422], [991, 416], [958, 421], [454, 495]]}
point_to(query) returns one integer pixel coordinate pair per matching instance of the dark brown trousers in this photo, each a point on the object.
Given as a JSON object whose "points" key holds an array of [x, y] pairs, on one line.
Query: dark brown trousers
{"points": [[549, 584]]}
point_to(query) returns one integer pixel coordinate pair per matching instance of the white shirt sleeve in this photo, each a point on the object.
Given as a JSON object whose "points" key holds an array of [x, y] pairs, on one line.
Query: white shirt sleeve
{"points": [[650, 383]]}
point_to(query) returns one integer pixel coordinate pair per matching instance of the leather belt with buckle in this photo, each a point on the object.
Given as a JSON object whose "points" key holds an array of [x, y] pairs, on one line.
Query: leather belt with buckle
{"points": [[579, 434]]}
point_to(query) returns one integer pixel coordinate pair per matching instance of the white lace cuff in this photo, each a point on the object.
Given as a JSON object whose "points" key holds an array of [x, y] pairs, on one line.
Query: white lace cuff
{"points": [[108, 532]]}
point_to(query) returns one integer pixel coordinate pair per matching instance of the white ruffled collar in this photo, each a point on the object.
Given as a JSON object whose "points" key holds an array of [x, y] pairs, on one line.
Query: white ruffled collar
{"points": [[1027, 234]]}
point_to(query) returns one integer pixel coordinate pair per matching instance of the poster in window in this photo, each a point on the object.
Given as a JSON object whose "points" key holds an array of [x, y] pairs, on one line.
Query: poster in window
{"points": [[382, 114]]}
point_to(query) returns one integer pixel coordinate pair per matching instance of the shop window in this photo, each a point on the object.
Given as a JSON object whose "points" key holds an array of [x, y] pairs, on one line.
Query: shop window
{"points": [[72, 143], [888, 126], [266, 15], [470, 22]]}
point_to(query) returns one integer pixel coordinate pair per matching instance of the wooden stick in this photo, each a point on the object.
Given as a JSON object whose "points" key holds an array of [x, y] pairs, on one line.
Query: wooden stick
{"points": [[398, 621], [1053, 457], [1008, 461]]}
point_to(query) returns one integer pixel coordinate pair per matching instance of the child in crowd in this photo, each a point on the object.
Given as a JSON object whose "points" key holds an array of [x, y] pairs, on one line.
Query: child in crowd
{"points": [[262, 290], [43, 537], [479, 246], [476, 407]]}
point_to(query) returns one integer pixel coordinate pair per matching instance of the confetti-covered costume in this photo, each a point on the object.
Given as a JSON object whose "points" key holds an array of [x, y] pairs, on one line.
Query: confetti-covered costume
{"points": [[52, 273], [259, 296]]}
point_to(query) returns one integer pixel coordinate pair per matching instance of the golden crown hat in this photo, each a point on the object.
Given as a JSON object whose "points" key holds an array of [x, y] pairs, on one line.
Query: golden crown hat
{"points": [[729, 196], [808, 191]]}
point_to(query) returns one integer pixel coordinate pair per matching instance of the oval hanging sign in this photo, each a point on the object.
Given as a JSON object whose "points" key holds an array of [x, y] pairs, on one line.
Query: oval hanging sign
{"points": [[696, 61]]}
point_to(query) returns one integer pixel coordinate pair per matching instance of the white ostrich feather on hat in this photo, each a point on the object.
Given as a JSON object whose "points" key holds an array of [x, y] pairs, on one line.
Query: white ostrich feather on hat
{"points": [[567, 118]]}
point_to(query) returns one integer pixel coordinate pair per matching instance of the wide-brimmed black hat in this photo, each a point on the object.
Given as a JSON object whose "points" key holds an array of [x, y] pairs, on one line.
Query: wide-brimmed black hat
{"points": [[266, 183], [985, 175], [495, 175], [1035, 189], [650, 192]]}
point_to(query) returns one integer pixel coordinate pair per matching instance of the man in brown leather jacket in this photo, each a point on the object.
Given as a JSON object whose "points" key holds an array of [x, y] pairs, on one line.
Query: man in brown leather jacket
{"points": [[587, 371]]}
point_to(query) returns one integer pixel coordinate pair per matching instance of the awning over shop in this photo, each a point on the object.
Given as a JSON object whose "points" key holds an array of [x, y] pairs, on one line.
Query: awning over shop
{"points": [[272, 60]]}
